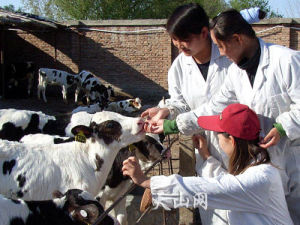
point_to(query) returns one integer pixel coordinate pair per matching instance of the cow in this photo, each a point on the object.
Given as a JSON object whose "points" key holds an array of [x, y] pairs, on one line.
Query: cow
{"points": [[123, 106], [75, 207], [147, 151], [19, 80], [56, 77], [45, 139], [14, 124], [94, 90], [33, 172]]}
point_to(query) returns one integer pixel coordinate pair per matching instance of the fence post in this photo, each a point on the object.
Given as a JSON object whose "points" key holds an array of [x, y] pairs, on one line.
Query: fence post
{"points": [[186, 168]]}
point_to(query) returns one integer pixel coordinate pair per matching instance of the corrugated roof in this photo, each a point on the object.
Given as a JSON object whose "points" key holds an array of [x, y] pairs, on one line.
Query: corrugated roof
{"points": [[26, 21]]}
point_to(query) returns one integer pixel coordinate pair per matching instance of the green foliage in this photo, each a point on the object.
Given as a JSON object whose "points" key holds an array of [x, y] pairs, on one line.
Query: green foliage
{"points": [[11, 8], [262, 4], [132, 9], [115, 9]]}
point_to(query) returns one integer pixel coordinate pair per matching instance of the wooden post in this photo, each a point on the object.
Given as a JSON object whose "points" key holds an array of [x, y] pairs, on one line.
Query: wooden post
{"points": [[186, 168], [2, 44]]}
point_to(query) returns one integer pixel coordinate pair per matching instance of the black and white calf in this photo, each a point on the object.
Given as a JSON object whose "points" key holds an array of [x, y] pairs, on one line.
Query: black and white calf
{"points": [[14, 124], [79, 118], [147, 151], [128, 105], [45, 139], [94, 90], [56, 77], [124, 106], [19, 81], [33, 172], [75, 207]]}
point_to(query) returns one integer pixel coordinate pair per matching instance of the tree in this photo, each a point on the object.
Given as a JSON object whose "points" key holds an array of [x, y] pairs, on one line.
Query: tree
{"points": [[262, 4], [115, 9], [11, 8]]}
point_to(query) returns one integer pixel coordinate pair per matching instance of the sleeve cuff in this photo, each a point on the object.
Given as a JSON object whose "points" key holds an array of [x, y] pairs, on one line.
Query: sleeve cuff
{"points": [[280, 129], [170, 127]]}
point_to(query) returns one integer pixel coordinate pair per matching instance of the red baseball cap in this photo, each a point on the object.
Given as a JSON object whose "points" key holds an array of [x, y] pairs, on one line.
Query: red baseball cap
{"points": [[237, 120]]}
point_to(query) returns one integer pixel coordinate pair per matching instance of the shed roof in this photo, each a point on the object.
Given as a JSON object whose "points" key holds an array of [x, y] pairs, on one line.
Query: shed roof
{"points": [[26, 21]]}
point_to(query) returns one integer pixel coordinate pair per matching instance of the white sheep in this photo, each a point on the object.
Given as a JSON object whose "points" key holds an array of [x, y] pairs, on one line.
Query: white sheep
{"points": [[33, 172]]}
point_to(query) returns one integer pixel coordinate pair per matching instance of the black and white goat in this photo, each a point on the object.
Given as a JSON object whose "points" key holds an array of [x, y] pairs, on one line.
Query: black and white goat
{"points": [[56, 77], [33, 172], [75, 207], [14, 124]]}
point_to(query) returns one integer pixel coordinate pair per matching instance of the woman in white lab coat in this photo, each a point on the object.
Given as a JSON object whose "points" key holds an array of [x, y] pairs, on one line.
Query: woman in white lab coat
{"points": [[195, 75], [251, 191], [266, 78]]}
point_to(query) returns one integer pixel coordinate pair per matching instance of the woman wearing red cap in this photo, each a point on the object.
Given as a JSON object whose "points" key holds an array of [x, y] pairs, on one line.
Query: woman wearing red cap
{"points": [[265, 77], [195, 76], [250, 190]]}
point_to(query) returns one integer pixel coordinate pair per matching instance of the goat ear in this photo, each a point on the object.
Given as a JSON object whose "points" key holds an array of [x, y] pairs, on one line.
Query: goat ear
{"points": [[81, 128], [57, 194]]}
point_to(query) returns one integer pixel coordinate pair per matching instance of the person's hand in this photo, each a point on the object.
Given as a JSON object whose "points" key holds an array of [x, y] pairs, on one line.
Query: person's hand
{"points": [[200, 143], [149, 113], [272, 138], [154, 114], [155, 128], [132, 168]]}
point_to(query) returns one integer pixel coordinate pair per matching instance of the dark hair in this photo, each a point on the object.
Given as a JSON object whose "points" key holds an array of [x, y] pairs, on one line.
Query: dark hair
{"points": [[186, 20], [261, 14], [228, 23], [246, 154]]}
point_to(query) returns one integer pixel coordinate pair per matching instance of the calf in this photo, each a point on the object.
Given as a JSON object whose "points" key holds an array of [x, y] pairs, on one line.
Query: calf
{"points": [[75, 207], [128, 105], [79, 118], [14, 124], [20, 79], [56, 77], [94, 90], [147, 151], [33, 172], [45, 139]]}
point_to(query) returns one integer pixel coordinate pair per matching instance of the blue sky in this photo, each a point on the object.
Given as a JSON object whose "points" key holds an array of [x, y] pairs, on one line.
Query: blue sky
{"points": [[287, 8]]}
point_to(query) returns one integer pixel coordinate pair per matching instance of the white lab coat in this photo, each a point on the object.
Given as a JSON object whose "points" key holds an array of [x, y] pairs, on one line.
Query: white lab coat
{"points": [[189, 90], [275, 97], [254, 197]]}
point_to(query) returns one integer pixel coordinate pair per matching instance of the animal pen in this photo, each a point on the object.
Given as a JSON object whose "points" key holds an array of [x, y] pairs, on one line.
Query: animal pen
{"points": [[131, 56]]}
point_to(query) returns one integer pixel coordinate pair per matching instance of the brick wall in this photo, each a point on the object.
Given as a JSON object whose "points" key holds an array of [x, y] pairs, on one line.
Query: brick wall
{"points": [[135, 60]]}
